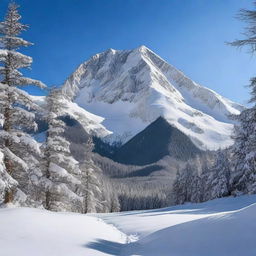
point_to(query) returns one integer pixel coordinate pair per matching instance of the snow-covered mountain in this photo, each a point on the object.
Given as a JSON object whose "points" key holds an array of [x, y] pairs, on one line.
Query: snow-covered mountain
{"points": [[132, 88]]}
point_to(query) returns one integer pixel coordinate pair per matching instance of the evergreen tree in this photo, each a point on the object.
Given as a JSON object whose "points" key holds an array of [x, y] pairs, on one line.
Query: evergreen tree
{"points": [[216, 179], [178, 193], [196, 191], [182, 187], [244, 149], [15, 104], [205, 181], [110, 201], [62, 171], [92, 187], [244, 153]]}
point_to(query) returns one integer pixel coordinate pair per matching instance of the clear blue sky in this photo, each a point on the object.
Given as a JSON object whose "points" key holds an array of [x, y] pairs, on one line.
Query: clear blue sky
{"points": [[189, 34]]}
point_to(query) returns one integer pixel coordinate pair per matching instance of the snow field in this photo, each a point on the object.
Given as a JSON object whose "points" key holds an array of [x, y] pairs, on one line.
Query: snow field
{"points": [[222, 227]]}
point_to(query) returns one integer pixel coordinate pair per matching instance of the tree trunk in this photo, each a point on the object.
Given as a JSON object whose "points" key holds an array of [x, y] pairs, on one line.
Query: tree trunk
{"points": [[48, 176], [7, 143], [8, 197]]}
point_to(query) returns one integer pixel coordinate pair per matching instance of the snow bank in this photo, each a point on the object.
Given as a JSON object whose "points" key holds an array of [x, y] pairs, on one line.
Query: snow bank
{"points": [[221, 227], [221, 234], [30, 232]]}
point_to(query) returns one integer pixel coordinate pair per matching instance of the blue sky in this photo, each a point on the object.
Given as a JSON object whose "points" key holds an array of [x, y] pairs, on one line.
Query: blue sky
{"points": [[189, 34]]}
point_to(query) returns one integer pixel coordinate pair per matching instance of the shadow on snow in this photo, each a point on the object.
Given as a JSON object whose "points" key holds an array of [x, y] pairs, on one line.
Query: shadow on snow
{"points": [[109, 247]]}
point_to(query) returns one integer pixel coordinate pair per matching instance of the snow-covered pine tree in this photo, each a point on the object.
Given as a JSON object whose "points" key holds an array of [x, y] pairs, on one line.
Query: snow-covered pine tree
{"points": [[178, 191], [243, 178], [111, 201], [15, 105], [62, 173], [182, 186], [196, 189], [92, 194], [92, 187], [216, 178]]}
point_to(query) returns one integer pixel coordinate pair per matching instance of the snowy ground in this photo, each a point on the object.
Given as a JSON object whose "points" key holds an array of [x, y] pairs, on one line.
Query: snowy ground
{"points": [[223, 227]]}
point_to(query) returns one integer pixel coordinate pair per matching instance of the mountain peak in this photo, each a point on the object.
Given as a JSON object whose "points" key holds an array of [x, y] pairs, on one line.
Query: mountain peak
{"points": [[110, 50], [131, 90], [142, 48]]}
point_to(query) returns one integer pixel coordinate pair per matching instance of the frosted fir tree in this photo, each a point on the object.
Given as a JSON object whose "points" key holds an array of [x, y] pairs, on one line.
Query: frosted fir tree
{"points": [[243, 177], [62, 173], [178, 191], [217, 178], [110, 202], [182, 187], [91, 189], [220, 182], [15, 105], [196, 189], [91, 192], [244, 150]]}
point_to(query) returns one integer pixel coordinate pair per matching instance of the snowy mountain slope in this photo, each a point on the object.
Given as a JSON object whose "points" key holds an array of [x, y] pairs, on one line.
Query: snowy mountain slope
{"points": [[223, 227], [90, 122], [131, 89]]}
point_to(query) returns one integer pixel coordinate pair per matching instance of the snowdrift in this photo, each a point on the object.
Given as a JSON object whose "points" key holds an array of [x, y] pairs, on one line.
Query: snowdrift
{"points": [[222, 227]]}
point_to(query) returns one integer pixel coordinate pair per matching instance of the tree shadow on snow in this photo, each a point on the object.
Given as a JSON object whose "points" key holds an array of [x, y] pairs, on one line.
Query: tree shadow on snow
{"points": [[109, 247]]}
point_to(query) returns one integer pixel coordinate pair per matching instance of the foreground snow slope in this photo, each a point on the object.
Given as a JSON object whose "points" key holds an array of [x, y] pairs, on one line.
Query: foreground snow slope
{"points": [[132, 88], [222, 234], [222, 227], [33, 232]]}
